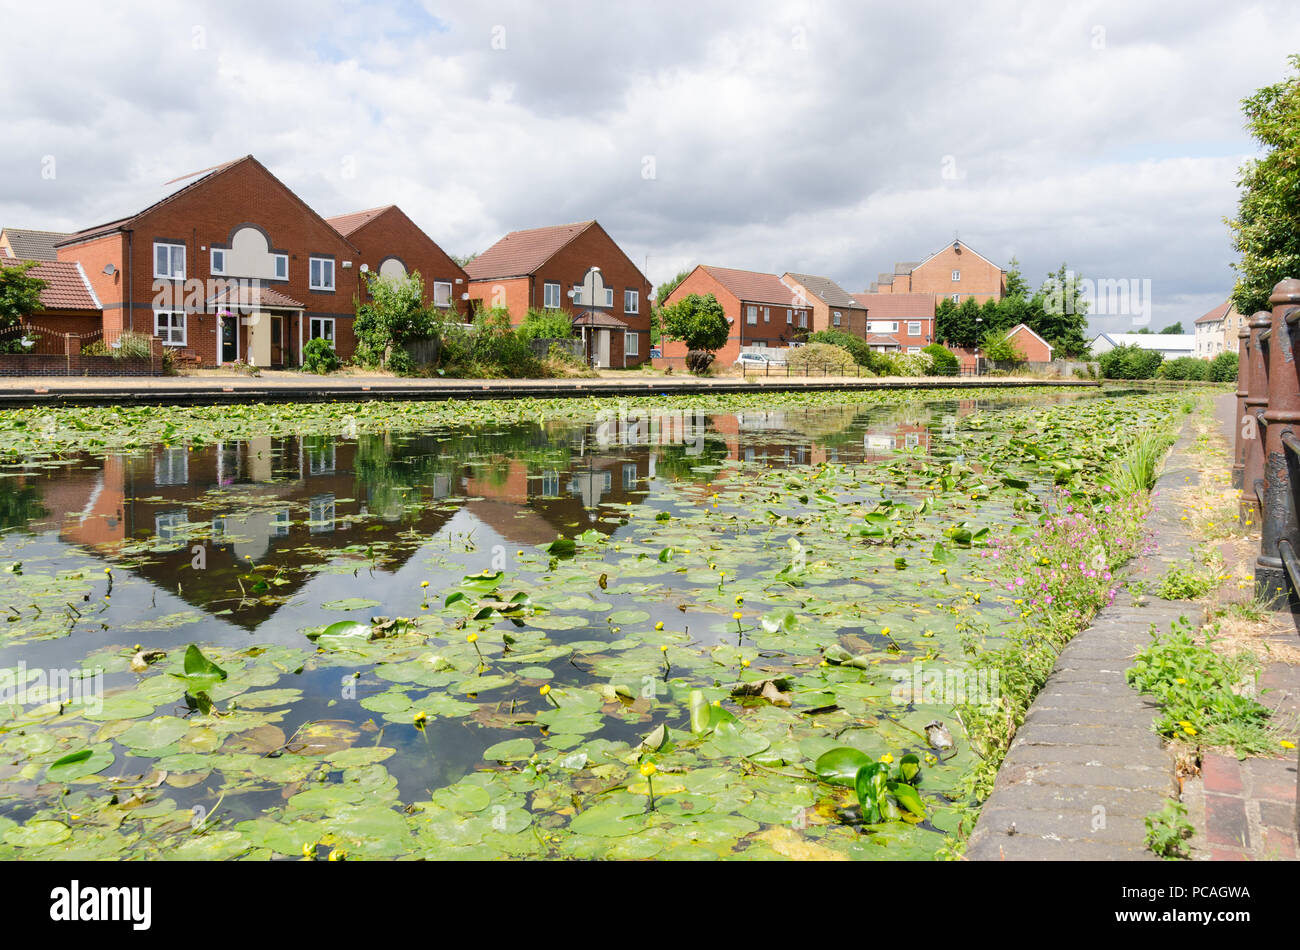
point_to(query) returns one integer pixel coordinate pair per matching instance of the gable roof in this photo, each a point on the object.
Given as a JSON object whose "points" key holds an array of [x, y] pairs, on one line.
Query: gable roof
{"points": [[204, 175], [348, 224], [1024, 326], [28, 245], [826, 290], [520, 253], [1151, 341], [753, 286], [1218, 313], [897, 306], [66, 286], [964, 246]]}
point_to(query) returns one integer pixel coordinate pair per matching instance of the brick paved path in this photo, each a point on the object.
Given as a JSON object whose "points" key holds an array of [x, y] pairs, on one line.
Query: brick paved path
{"points": [[1086, 767]]}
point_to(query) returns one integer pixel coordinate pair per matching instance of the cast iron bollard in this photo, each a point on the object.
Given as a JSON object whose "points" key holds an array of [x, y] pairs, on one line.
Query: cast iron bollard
{"points": [[1239, 446], [1277, 571], [1256, 369]]}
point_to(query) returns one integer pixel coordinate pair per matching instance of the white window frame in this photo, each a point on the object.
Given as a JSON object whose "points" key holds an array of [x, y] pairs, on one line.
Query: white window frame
{"points": [[278, 258], [789, 317], [171, 466], [631, 301], [913, 349], [218, 269], [173, 250], [551, 295], [311, 273], [835, 317], [171, 326], [803, 319], [442, 293], [914, 328], [956, 275], [751, 315], [956, 298], [320, 322], [767, 314], [631, 343], [609, 296]]}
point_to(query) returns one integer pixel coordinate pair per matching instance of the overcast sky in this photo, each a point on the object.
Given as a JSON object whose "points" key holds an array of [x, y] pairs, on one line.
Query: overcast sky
{"points": [[828, 138]]}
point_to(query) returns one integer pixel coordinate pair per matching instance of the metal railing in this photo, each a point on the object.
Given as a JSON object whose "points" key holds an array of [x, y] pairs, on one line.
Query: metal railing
{"points": [[1266, 456]]}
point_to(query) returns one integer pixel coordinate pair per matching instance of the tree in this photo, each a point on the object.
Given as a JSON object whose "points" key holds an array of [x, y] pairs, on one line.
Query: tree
{"points": [[956, 324], [396, 315], [462, 260], [999, 348], [945, 361], [661, 294], [1017, 288], [1129, 361], [1266, 232], [1059, 314], [20, 296], [1173, 328], [546, 325], [701, 324]]}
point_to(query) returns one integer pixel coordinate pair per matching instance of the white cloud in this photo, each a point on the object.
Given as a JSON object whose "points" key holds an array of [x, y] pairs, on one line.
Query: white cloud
{"points": [[793, 136]]}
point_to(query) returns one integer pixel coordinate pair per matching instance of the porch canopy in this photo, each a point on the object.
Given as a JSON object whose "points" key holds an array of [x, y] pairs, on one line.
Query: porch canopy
{"points": [[261, 342], [598, 319]]}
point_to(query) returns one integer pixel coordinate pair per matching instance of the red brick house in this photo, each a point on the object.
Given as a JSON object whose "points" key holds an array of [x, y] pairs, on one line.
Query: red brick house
{"points": [[68, 305], [559, 268], [762, 309], [955, 271], [392, 245], [1031, 346], [833, 308], [898, 323], [233, 266]]}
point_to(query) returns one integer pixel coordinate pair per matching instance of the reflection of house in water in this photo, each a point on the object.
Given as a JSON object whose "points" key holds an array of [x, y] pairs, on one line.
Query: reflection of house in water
{"points": [[221, 510]]}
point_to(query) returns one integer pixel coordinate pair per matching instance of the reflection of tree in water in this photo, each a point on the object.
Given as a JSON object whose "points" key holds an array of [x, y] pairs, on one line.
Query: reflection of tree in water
{"points": [[18, 506], [677, 461], [395, 472]]}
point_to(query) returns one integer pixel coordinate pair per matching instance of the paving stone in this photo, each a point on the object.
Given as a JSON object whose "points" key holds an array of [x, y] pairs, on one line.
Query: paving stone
{"points": [[1221, 774], [1086, 713], [1030, 848], [1092, 776], [1272, 779], [1066, 824], [1226, 822]]}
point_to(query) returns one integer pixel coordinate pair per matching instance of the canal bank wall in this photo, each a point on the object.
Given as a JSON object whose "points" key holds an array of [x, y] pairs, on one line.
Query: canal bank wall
{"points": [[189, 391]]}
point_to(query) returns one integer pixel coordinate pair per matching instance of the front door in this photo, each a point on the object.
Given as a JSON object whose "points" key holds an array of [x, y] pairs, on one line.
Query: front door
{"points": [[602, 349], [277, 341], [229, 339]]}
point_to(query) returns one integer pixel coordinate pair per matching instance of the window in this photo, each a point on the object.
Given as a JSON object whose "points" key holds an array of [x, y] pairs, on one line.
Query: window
{"points": [[789, 317], [280, 523], [803, 318], [550, 484], [629, 476], [281, 266], [169, 326], [767, 314], [609, 296], [322, 328], [956, 275], [631, 301], [442, 293], [218, 260], [630, 344], [551, 296], [751, 315], [169, 260], [170, 525], [914, 349], [322, 273], [172, 467], [914, 328], [956, 298], [835, 317], [321, 514]]}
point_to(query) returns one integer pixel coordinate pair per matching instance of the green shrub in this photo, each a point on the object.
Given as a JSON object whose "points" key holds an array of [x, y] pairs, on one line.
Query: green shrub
{"points": [[1129, 361], [488, 349], [862, 353], [318, 357], [546, 325], [821, 359], [910, 364], [1223, 368], [945, 362], [98, 348], [1185, 367]]}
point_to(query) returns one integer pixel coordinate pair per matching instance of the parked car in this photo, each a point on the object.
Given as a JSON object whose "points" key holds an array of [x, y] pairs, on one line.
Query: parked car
{"points": [[751, 359]]}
